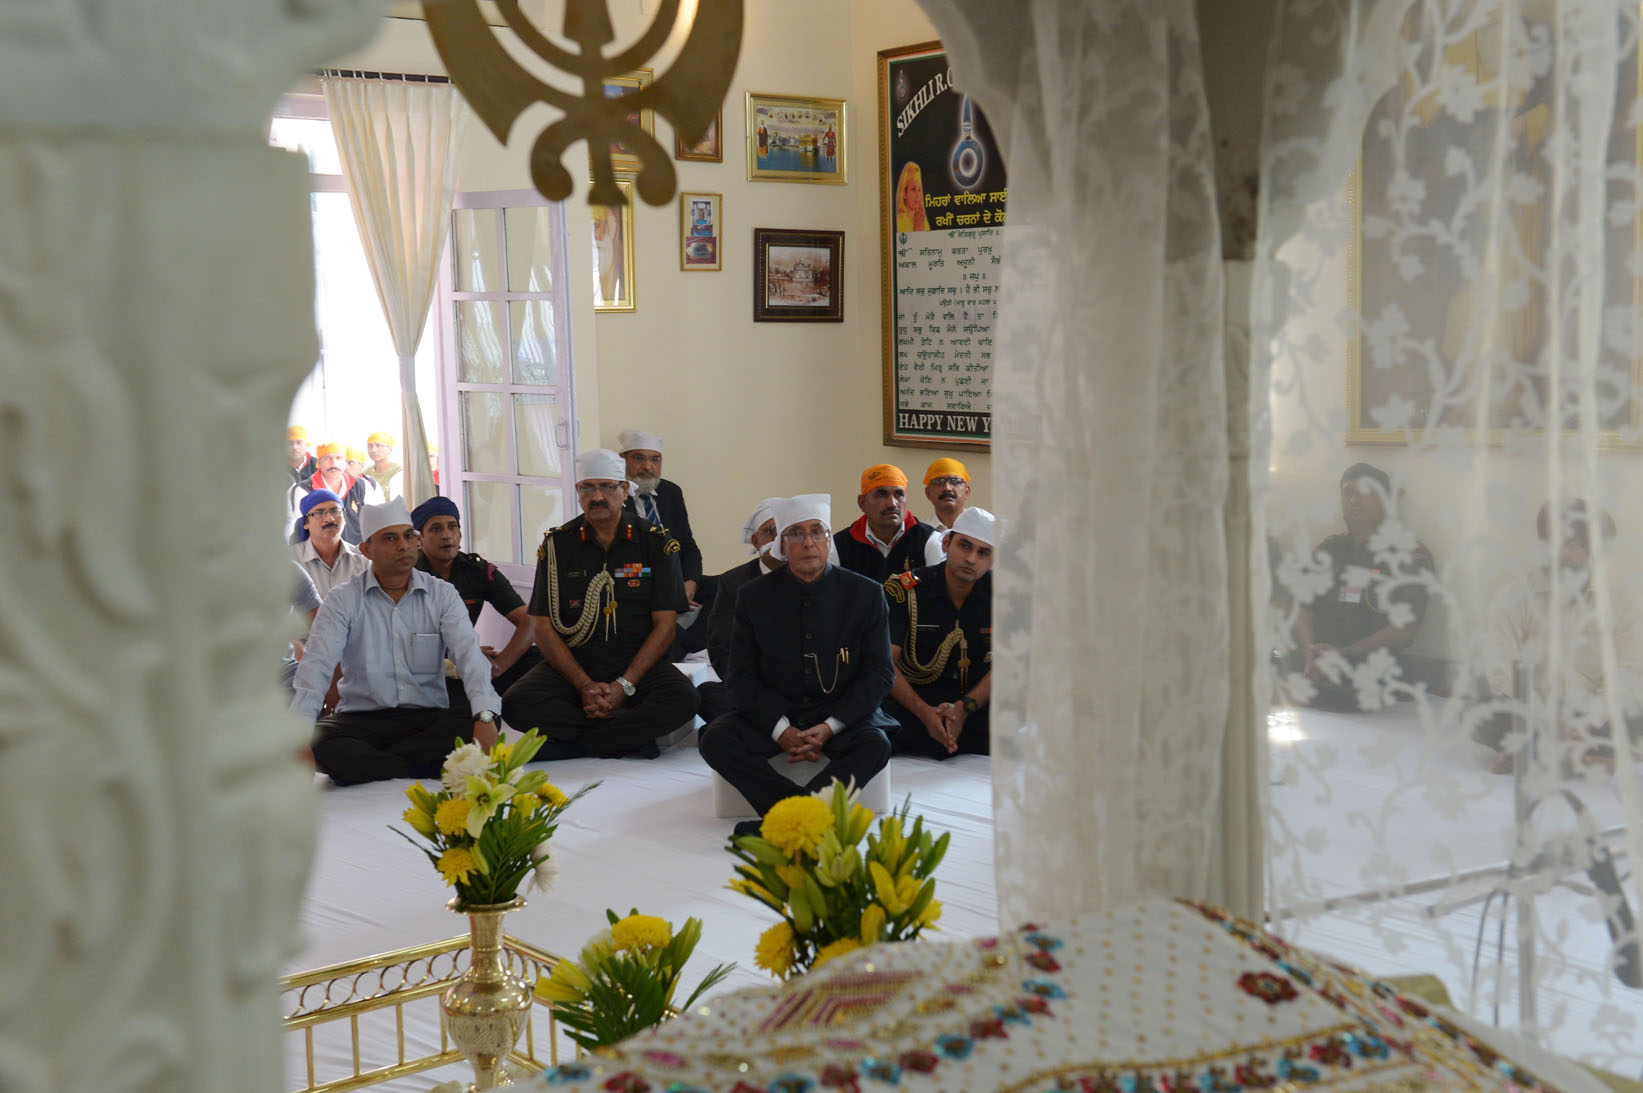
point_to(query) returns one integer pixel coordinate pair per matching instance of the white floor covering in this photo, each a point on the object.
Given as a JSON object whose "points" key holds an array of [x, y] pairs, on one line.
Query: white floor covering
{"points": [[647, 838]]}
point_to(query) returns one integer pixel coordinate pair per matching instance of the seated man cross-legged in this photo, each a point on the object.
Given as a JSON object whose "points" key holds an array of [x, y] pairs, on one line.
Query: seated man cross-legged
{"points": [[941, 633], [391, 628], [809, 666], [607, 597], [478, 582]]}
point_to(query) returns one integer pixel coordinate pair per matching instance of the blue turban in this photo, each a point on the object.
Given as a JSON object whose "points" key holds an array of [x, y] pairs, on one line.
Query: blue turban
{"points": [[306, 506], [432, 507]]}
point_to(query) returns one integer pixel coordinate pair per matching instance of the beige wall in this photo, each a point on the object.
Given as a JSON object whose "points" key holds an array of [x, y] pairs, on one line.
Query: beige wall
{"points": [[749, 409]]}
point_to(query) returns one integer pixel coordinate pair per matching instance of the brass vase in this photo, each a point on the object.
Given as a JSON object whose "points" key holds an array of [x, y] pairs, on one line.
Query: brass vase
{"points": [[486, 1009]]}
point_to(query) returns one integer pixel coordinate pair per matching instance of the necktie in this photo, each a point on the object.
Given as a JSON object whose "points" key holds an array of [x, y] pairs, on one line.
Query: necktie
{"points": [[650, 510]]}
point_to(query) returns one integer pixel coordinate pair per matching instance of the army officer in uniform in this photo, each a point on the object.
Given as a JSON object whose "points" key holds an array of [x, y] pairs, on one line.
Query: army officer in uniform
{"points": [[607, 594], [941, 636], [809, 666]]}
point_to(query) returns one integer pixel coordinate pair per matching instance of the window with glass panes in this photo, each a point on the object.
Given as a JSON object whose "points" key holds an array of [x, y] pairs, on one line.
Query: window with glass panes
{"points": [[508, 441]]}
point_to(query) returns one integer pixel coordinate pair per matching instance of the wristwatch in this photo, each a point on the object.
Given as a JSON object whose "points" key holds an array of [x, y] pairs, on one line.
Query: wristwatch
{"points": [[627, 688], [486, 716], [970, 705]]}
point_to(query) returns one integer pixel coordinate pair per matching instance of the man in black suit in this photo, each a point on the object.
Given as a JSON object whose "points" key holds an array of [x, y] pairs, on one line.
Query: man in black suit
{"points": [[660, 501], [760, 533], [809, 667]]}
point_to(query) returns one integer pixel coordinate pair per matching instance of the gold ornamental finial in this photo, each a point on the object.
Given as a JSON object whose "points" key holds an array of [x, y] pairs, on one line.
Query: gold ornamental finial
{"points": [[689, 93]]}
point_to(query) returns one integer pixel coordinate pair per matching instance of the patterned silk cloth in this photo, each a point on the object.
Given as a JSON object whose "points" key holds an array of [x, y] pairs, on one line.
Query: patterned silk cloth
{"points": [[1156, 996]]}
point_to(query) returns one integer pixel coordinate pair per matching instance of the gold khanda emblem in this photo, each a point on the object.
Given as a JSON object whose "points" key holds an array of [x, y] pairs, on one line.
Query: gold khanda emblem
{"points": [[689, 93]]}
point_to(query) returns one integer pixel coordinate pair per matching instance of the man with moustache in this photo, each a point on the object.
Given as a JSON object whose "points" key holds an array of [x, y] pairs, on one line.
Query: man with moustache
{"points": [[604, 608], [941, 634], [352, 493], [759, 532], [809, 667], [660, 501], [887, 538], [320, 549], [391, 629], [298, 462], [947, 488], [439, 523], [1376, 600]]}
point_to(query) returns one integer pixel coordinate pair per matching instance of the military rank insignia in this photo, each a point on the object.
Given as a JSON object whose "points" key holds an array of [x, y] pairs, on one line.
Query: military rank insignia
{"points": [[671, 547]]}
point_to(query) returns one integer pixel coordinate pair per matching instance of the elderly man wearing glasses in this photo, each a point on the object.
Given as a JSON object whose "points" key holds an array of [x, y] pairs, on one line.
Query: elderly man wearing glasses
{"points": [[809, 666], [607, 594]]}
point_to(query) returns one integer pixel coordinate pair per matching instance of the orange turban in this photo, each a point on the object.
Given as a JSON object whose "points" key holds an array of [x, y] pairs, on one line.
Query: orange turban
{"points": [[380, 438], [943, 467], [882, 474], [296, 432], [332, 448], [355, 455]]}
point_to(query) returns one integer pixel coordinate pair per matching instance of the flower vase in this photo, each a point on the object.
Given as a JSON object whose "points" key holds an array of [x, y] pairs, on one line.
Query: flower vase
{"points": [[486, 1009]]}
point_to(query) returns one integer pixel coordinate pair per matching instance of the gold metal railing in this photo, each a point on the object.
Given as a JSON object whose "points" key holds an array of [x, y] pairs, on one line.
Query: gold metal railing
{"points": [[395, 980]]}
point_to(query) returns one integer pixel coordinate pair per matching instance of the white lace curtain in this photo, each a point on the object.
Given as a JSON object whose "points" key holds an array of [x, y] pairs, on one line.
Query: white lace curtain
{"points": [[1447, 410], [1110, 456], [1449, 292], [399, 141]]}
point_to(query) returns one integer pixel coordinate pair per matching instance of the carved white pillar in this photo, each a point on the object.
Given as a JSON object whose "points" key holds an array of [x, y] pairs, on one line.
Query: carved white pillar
{"points": [[156, 316]]}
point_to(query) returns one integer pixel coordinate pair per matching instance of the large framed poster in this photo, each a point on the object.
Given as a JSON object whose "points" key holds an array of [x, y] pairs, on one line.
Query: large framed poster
{"points": [[941, 221]]}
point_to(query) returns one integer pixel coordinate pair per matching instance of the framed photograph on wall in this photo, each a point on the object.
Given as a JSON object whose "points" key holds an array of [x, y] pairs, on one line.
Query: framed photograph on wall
{"points": [[700, 231], [710, 149], [622, 157], [794, 139], [613, 272], [798, 276]]}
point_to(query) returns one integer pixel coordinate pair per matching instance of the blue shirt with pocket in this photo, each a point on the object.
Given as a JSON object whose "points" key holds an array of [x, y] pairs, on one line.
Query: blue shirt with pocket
{"points": [[392, 654]]}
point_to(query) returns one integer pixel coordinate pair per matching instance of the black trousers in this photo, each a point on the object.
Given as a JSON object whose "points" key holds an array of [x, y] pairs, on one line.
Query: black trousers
{"points": [[713, 701], [740, 752], [910, 737], [662, 701], [529, 659], [403, 742]]}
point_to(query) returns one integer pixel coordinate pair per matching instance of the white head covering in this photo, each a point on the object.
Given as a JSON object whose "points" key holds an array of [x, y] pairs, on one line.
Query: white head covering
{"points": [[763, 511], [600, 463], [638, 438], [798, 510], [373, 518], [978, 524]]}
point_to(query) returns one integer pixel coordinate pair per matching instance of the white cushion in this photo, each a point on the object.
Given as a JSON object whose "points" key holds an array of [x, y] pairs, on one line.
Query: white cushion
{"points": [[729, 804]]}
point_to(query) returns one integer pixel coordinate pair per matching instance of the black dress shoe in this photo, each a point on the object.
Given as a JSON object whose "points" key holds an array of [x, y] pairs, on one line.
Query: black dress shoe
{"points": [[647, 750], [745, 827]]}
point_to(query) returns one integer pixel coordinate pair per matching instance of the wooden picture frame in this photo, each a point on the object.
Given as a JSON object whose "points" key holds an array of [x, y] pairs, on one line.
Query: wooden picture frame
{"points": [[614, 281], [710, 149], [798, 276], [615, 87], [791, 138], [701, 232]]}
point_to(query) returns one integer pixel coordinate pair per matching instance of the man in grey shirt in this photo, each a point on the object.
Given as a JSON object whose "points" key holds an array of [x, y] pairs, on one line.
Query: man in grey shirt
{"points": [[390, 628]]}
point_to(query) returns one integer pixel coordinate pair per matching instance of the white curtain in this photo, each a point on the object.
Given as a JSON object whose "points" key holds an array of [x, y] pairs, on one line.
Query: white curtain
{"points": [[1447, 289], [399, 142], [1110, 457]]}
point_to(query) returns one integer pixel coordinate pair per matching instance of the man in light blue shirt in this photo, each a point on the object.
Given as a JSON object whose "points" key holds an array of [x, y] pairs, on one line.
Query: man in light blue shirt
{"points": [[391, 628]]}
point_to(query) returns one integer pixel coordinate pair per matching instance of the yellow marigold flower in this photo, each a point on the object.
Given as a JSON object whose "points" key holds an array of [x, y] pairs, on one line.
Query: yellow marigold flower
{"points": [[930, 914], [775, 950], [525, 803], [420, 821], [872, 923], [638, 933], [835, 949], [552, 794], [456, 864], [452, 816], [797, 825]]}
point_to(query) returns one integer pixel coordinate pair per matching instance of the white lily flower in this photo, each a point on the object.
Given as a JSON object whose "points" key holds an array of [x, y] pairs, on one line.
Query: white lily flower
{"points": [[487, 797]]}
